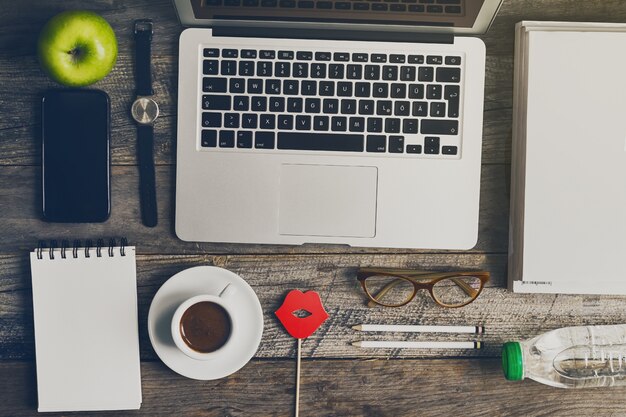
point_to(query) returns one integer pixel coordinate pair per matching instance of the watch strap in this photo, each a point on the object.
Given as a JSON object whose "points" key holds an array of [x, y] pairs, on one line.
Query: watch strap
{"points": [[143, 51], [147, 182]]}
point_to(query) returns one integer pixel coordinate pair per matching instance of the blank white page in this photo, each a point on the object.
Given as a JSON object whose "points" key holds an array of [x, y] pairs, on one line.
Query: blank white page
{"points": [[86, 337]]}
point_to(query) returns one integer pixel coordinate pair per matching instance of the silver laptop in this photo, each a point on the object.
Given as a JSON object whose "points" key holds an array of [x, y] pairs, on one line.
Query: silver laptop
{"points": [[331, 121]]}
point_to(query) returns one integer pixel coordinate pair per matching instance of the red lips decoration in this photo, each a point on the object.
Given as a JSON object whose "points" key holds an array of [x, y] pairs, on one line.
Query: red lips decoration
{"points": [[302, 327]]}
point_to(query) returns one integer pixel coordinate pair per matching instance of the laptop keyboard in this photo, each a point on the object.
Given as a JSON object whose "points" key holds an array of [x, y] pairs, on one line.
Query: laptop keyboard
{"points": [[305, 100]]}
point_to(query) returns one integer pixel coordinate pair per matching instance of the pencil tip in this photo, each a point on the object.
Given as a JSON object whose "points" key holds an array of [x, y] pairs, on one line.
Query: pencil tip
{"points": [[357, 327], [357, 344]]}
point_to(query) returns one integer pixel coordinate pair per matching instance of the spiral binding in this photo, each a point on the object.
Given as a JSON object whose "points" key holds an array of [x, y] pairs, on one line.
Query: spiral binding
{"points": [[42, 248]]}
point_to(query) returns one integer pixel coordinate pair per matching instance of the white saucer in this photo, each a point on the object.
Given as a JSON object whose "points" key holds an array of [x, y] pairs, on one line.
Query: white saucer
{"points": [[206, 280]]}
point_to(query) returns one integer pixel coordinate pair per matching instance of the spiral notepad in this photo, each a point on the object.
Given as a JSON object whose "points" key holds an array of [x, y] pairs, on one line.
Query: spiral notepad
{"points": [[86, 337]]}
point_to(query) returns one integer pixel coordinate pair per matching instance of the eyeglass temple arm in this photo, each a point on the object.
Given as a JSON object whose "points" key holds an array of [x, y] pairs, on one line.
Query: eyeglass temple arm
{"points": [[465, 287]]}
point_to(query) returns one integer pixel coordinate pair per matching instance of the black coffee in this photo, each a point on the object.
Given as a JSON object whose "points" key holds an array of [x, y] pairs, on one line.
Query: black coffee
{"points": [[205, 326]]}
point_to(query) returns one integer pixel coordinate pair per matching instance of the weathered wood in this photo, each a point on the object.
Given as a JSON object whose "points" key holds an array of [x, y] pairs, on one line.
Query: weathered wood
{"points": [[371, 388], [20, 213], [506, 316]]}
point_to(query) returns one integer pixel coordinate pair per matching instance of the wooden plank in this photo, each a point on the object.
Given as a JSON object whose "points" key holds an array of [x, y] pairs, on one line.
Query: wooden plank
{"points": [[372, 388], [506, 316], [21, 224]]}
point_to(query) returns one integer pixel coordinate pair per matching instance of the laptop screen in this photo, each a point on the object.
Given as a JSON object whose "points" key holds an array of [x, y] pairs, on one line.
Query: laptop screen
{"points": [[441, 13]]}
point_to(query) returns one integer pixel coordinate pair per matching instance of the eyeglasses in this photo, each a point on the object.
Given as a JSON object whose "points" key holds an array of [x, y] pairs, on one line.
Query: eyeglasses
{"points": [[397, 287]]}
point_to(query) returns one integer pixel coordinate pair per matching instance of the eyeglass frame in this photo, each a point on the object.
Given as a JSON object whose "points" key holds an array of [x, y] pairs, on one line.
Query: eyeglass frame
{"points": [[410, 276]]}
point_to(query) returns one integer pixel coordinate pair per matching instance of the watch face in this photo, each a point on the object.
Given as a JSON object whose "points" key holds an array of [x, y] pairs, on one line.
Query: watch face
{"points": [[145, 110]]}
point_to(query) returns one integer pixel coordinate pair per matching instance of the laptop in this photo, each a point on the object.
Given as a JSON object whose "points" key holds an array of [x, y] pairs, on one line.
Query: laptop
{"points": [[330, 121]]}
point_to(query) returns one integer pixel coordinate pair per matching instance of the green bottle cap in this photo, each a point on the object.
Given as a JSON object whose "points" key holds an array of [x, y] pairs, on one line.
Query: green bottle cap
{"points": [[512, 363]]}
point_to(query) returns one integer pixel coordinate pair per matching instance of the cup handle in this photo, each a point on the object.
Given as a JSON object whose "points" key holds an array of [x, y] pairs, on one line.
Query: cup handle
{"points": [[228, 291]]}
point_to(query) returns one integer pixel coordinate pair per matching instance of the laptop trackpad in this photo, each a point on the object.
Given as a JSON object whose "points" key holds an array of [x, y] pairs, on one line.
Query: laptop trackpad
{"points": [[328, 200]]}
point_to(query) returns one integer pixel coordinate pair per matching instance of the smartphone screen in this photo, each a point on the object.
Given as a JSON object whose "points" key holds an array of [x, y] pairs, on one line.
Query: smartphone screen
{"points": [[75, 156]]}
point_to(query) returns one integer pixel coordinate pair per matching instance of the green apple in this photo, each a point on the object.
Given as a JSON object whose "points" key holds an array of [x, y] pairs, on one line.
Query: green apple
{"points": [[77, 48]]}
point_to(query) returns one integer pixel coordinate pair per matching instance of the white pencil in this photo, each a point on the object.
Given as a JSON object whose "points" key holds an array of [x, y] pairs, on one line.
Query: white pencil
{"points": [[419, 329], [402, 344]]}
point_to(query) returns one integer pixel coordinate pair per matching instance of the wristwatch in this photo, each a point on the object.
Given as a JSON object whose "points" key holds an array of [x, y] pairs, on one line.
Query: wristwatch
{"points": [[145, 111]]}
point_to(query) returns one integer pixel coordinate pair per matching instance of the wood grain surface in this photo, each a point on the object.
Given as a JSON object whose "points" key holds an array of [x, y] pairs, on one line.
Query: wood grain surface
{"points": [[338, 379]]}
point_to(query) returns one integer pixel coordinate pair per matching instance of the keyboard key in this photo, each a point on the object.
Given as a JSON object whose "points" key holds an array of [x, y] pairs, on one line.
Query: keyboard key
{"points": [[230, 53], [285, 122], [306, 4], [320, 142], [214, 102], [437, 109], [309, 88], [379, 57], [396, 144], [409, 126], [248, 53], [434, 60], [407, 73], [416, 8], [416, 91], [285, 54], [241, 103], [343, 5], [210, 67], [380, 7], [366, 106], [398, 59], [420, 108], [336, 71], [348, 106], [402, 108], [339, 124], [359, 57], [321, 123], [249, 121], [374, 124], [341, 56], [291, 87], [255, 86], [398, 8], [324, 4], [303, 122], [361, 6], [244, 139], [362, 89], [210, 119], [453, 9], [327, 88], [287, 3], [272, 86], [227, 139], [269, 3], [264, 68], [267, 121], [453, 60], [383, 107], [392, 125], [266, 54], [425, 73], [246, 68], [451, 93], [295, 105], [434, 9], [390, 73], [372, 72], [344, 89], [209, 138], [376, 143], [398, 90], [231, 120], [440, 127], [251, 3], [232, 3], [312, 105], [277, 104], [431, 145], [449, 150], [322, 56], [355, 72], [381, 90], [259, 104], [304, 55], [237, 85], [433, 91], [413, 148], [282, 69], [214, 85], [264, 140], [331, 106], [356, 124], [318, 70], [300, 70], [211, 52], [228, 67], [448, 75], [416, 59]]}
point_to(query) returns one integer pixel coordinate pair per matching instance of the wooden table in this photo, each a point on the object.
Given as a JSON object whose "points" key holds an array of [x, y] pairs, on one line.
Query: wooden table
{"points": [[338, 379]]}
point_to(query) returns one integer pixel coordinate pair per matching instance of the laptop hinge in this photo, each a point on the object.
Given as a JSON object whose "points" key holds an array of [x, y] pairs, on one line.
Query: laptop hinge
{"points": [[341, 35]]}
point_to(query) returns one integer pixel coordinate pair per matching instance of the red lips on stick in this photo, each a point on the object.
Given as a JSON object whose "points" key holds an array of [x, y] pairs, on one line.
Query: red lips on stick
{"points": [[301, 327]]}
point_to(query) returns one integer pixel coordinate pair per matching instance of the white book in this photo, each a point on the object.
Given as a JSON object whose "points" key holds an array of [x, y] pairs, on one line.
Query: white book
{"points": [[568, 174], [86, 335]]}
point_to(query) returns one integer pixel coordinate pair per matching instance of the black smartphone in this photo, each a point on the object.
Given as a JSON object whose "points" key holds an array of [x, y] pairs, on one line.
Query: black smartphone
{"points": [[76, 156]]}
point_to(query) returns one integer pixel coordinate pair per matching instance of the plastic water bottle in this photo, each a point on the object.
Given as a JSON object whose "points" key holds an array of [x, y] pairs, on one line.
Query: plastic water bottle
{"points": [[571, 357]]}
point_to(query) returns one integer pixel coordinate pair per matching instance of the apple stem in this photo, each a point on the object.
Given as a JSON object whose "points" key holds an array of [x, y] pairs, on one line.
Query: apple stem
{"points": [[75, 53]]}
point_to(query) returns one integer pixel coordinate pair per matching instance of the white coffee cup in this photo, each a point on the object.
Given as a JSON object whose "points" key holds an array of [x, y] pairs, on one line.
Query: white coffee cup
{"points": [[221, 300]]}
